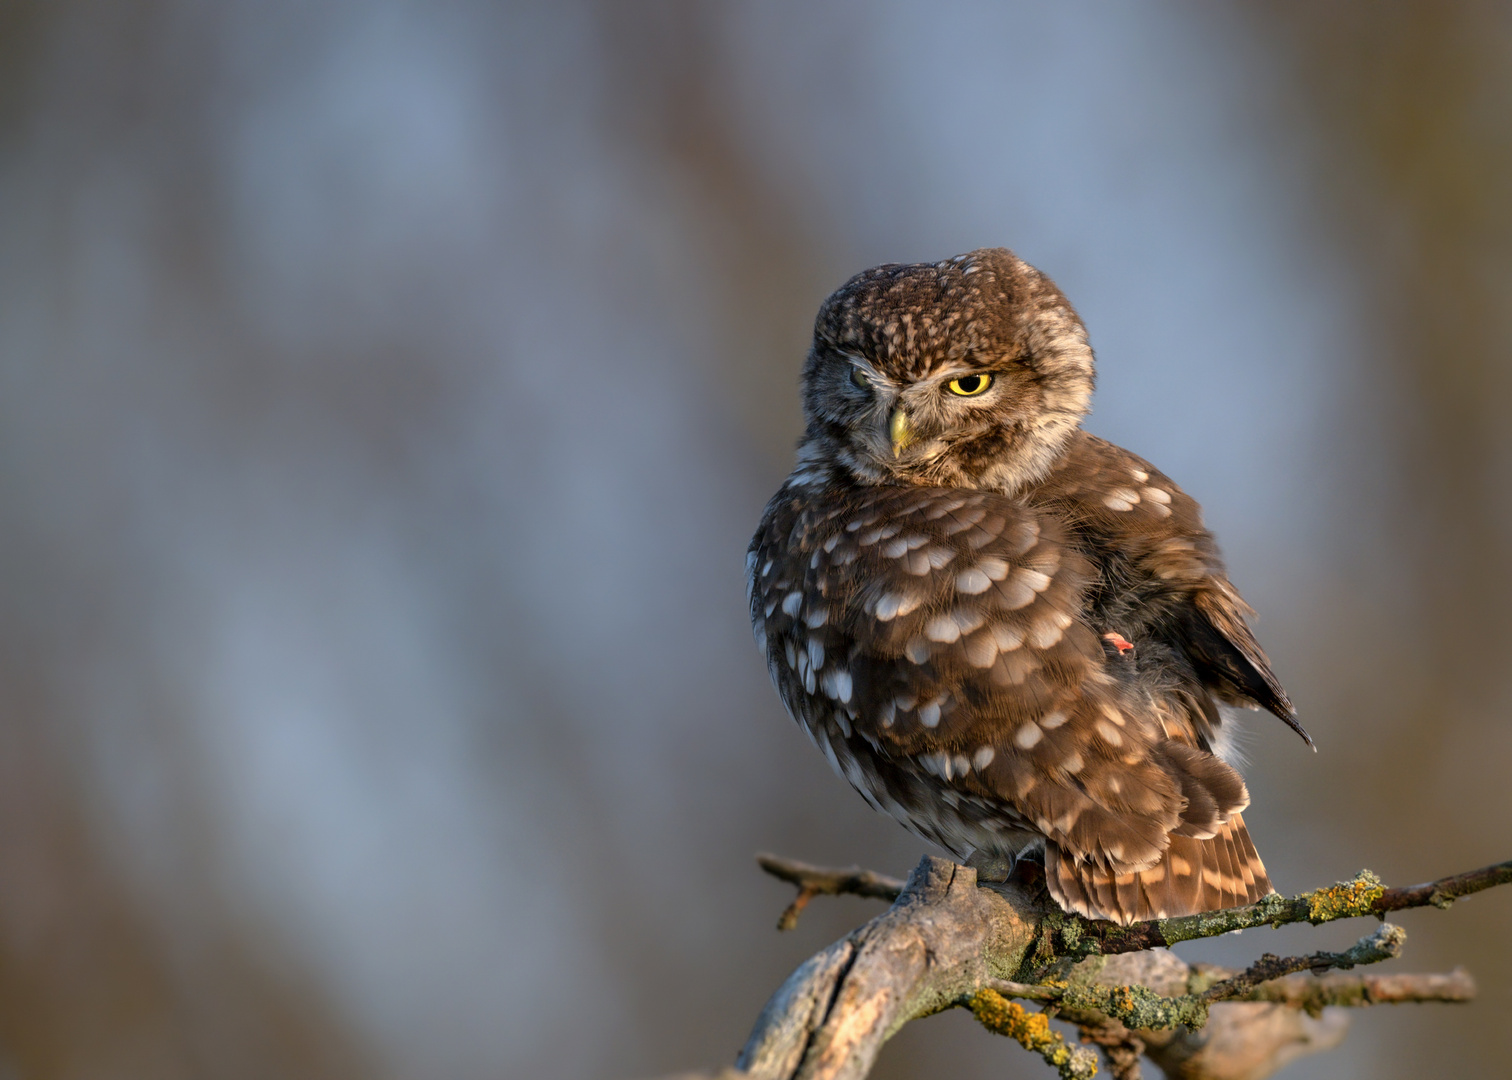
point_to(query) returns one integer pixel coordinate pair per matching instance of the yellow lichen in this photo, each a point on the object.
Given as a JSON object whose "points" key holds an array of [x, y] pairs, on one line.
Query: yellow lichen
{"points": [[1345, 900], [1032, 1032], [994, 1011]]}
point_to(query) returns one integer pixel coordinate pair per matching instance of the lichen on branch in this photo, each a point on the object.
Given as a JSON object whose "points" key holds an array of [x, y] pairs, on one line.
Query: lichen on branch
{"points": [[1074, 937], [1032, 1031], [1140, 1008]]}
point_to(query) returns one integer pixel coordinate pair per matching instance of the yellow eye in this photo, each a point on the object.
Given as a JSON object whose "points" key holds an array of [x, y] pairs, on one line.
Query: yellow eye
{"points": [[858, 379], [969, 385]]}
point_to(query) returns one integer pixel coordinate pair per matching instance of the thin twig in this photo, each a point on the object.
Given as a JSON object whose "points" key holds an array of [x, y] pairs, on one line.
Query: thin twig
{"points": [[1444, 891], [1313, 993], [1385, 944], [1026, 991], [814, 880]]}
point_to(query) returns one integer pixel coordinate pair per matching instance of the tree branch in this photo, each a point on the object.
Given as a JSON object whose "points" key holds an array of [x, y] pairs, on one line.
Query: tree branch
{"points": [[946, 942], [1364, 895], [1361, 896], [1313, 993]]}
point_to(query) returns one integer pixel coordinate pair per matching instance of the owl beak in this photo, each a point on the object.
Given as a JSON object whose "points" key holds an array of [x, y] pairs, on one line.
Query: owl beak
{"points": [[902, 434]]}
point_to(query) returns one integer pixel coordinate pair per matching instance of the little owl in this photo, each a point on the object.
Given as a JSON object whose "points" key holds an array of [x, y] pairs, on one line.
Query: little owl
{"points": [[1010, 635]]}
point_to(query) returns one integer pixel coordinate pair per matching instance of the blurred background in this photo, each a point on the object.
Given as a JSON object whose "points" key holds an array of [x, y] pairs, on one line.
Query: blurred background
{"points": [[388, 391]]}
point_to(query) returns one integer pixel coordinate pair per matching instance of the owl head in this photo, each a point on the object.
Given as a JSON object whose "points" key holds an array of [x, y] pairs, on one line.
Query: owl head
{"points": [[973, 372]]}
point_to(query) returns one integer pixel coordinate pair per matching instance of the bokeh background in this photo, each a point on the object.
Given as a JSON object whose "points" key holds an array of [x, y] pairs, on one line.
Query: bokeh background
{"points": [[388, 391]]}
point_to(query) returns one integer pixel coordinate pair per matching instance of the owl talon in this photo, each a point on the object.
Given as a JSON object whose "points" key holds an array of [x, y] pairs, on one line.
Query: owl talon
{"points": [[991, 866], [1119, 642], [995, 869]]}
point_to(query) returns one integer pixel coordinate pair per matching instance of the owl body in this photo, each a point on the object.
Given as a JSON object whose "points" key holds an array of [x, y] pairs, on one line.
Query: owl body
{"points": [[1010, 635]]}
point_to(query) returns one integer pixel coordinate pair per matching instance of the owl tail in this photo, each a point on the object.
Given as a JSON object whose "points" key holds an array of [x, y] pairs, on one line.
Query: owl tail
{"points": [[1193, 876]]}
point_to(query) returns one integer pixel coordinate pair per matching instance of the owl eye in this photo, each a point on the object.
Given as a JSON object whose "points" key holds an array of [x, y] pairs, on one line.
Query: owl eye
{"points": [[969, 385], [858, 379]]}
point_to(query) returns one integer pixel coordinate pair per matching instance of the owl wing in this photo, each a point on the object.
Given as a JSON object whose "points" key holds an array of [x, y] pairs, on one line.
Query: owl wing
{"points": [[938, 635], [1145, 523], [1215, 633]]}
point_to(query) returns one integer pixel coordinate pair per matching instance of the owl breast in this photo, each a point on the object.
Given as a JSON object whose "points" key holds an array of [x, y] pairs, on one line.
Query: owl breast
{"points": [[940, 646], [932, 643]]}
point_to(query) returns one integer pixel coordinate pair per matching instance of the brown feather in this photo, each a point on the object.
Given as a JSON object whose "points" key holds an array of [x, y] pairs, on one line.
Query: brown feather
{"points": [[1259, 880], [1213, 790], [1230, 886], [1065, 884], [1128, 893], [1193, 876]]}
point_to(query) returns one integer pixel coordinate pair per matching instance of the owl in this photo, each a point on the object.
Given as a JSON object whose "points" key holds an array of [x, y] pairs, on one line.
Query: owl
{"points": [[1012, 636]]}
